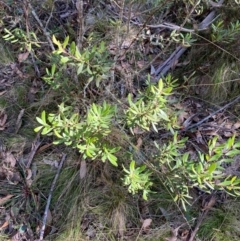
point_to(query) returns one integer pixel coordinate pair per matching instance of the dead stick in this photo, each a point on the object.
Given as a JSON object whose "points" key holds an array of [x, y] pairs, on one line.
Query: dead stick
{"points": [[212, 114], [79, 6], [164, 68], [47, 35], [199, 222], [50, 197], [35, 146]]}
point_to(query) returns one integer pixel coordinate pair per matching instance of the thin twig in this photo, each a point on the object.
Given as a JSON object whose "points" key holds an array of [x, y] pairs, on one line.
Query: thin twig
{"points": [[35, 146], [199, 222], [164, 68], [49, 18], [47, 35], [212, 114], [26, 11], [79, 6], [50, 197]]}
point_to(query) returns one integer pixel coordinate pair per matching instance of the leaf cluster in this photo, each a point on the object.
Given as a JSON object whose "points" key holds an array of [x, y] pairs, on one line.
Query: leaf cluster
{"points": [[90, 64], [207, 172], [20, 37], [137, 179], [87, 134], [150, 107]]}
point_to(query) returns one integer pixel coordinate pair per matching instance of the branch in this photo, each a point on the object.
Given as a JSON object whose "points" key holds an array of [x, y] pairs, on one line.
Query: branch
{"points": [[47, 35], [199, 222], [164, 68], [79, 6], [50, 197], [36, 143], [212, 114]]}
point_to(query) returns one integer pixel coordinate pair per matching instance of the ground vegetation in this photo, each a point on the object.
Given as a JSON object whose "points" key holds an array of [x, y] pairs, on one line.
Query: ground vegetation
{"points": [[119, 120]]}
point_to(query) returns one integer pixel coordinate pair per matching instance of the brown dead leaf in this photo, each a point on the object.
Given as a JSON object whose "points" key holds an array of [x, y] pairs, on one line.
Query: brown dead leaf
{"points": [[179, 106], [146, 223], [9, 158], [83, 169], [174, 234], [174, 64], [181, 117], [49, 218], [5, 224], [140, 64], [227, 133], [29, 174], [139, 143], [13, 177], [5, 199], [2, 92], [22, 57], [137, 130], [208, 202], [236, 125], [16, 70], [32, 92], [19, 121], [44, 147], [126, 66], [199, 137], [184, 234], [3, 119]]}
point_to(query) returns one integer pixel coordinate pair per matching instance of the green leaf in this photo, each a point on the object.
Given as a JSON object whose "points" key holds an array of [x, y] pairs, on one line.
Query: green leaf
{"points": [[214, 157], [53, 69], [212, 168], [163, 115], [230, 142], [236, 145], [160, 85], [98, 81], [57, 134], [37, 129], [112, 159], [89, 70], [77, 53], [227, 160], [233, 153], [72, 48], [225, 183], [57, 43], [40, 121], [64, 59], [65, 43], [132, 166], [80, 68], [145, 195], [46, 130], [233, 179], [68, 143], [43, 116]]}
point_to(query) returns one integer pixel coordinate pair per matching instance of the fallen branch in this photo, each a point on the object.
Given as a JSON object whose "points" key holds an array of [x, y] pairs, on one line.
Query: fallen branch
{"points": [[199, 222], [164, 68], [207, 204], [47, 35], [42, 230], [212, 114], [35, 146], [80, 34]]}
